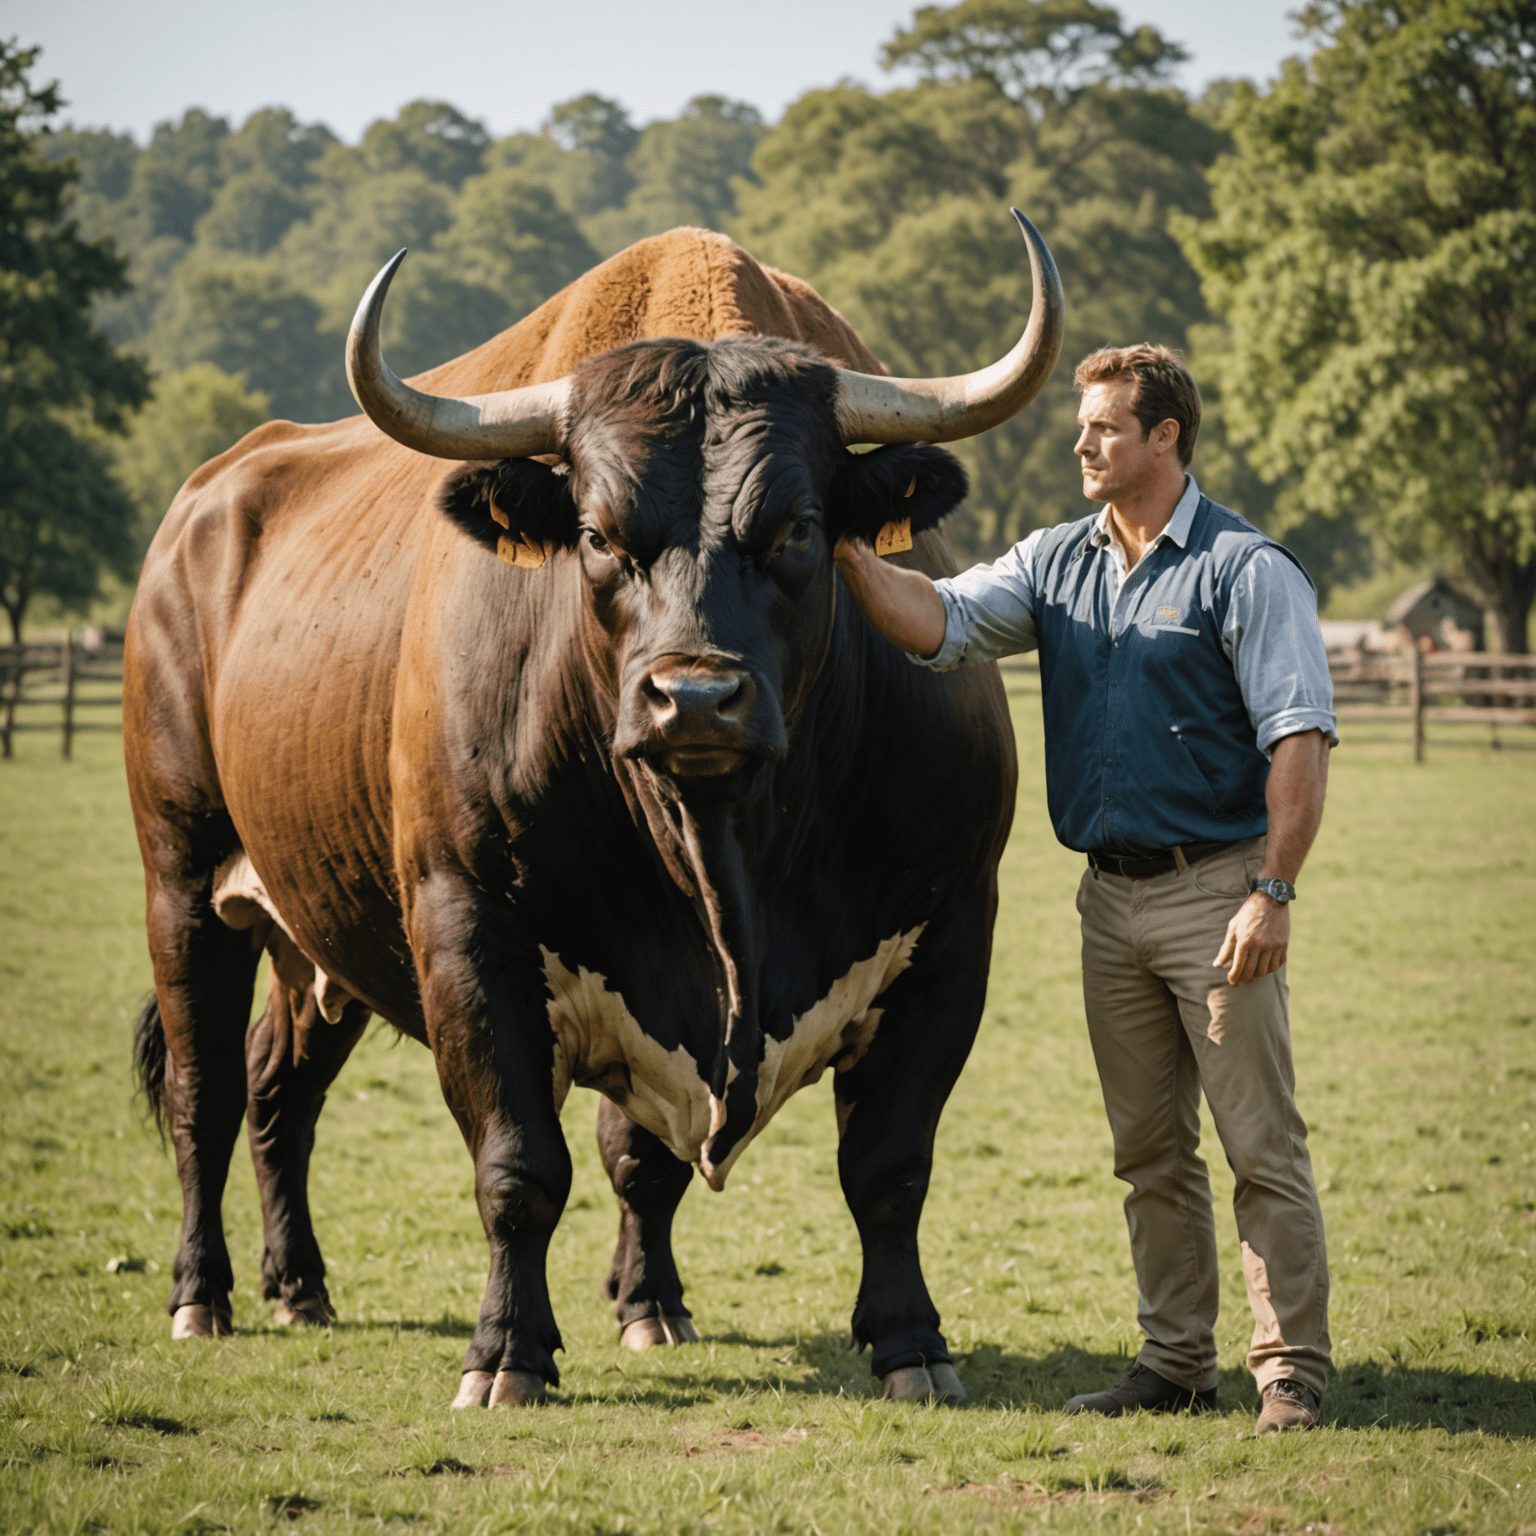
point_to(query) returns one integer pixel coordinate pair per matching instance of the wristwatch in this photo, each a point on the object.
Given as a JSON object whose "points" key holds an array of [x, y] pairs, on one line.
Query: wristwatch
{"points": [[1281, 891]]}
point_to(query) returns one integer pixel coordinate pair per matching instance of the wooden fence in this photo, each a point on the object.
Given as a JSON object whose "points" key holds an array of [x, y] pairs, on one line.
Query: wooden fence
{"points": [[1435, 687], [1418, 689], [49, 677]]}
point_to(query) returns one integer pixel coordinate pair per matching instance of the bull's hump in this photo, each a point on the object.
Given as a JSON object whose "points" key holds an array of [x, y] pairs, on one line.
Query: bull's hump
{"points": [[687, 282]]}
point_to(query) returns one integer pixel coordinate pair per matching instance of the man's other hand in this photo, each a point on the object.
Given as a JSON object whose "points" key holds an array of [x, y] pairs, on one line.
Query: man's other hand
{"points": [[1258, 938]]}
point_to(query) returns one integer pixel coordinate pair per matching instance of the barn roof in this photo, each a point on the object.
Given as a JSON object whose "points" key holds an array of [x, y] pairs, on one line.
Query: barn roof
{"points": [[1416, 594]]}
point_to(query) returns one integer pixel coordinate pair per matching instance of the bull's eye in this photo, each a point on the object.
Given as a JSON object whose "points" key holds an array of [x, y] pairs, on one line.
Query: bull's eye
{"points": [[598, 542], [800, 531]]}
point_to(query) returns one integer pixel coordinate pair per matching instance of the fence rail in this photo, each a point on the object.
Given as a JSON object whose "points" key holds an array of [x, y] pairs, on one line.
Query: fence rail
{"points": [[1417, 689], [57, 669], [1436, 688]]}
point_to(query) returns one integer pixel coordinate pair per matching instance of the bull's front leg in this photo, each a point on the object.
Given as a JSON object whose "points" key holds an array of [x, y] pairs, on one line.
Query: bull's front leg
{"points": [[643, 1284], [888, 1107], [493, 1046]]}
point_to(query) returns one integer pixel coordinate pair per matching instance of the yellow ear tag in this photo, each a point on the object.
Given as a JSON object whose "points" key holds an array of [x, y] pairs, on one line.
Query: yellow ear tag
{"points": [[519, 552], [894, 537]]}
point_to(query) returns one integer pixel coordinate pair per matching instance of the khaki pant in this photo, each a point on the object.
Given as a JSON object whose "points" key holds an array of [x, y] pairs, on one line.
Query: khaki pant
{"points": [[1165, 1025]]}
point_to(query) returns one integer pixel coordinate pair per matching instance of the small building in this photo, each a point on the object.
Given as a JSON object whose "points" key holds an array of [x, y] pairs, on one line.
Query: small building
{"points": [[1435, 616]]}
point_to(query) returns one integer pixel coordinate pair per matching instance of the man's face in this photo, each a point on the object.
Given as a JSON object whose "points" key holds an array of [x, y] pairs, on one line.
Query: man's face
{"points": [[1116, 458]]}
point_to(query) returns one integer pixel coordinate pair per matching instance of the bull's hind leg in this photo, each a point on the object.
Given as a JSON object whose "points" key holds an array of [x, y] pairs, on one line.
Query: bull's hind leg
{"points": [[195, 1075], [643, 1286], [292, 1055], [888, 1107]]}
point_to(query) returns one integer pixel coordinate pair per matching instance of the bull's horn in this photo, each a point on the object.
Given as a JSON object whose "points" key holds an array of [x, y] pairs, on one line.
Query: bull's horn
{"points": [[877, 410], [511, 424]]}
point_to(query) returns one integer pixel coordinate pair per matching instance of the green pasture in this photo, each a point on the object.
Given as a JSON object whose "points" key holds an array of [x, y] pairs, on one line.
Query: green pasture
{"points": [[1414, 995]]}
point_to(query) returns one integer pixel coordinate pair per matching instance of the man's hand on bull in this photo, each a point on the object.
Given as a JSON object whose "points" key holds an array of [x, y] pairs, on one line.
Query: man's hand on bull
{"points": [[1258, 938], [904, 605]]}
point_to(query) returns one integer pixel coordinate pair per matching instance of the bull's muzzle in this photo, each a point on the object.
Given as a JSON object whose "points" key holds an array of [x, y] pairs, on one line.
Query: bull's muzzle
{"points": [[701, 715]]}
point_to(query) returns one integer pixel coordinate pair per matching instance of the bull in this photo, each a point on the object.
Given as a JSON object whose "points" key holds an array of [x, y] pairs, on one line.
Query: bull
{"points": [[642, 805]]}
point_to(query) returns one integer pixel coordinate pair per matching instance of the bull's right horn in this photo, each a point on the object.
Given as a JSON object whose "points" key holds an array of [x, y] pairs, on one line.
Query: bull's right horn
{"points": [[511, 424], [872, 409]]}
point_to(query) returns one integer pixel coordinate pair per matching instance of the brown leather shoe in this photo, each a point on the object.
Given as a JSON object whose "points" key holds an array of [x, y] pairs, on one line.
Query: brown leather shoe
{"points": [[1143, 1388], [1288, 1404]]}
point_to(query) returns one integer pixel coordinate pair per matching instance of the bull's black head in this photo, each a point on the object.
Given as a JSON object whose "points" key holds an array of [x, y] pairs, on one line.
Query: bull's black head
{"points": [[703, 490]]}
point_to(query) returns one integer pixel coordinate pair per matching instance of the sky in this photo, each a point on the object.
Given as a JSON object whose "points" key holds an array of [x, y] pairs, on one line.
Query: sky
{"points": [[129, 66]]}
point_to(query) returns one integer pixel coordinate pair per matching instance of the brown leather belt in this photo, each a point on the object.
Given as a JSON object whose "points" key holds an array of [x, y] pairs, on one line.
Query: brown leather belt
{"points": [[1153, 863]]}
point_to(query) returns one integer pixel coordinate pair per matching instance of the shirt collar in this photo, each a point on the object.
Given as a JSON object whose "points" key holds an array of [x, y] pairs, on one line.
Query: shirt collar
{"points": [[1178, 527]]}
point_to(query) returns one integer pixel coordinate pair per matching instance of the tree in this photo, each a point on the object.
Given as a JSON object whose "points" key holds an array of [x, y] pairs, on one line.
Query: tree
{"points": [[895, 207], [251, 212], [431, 137], [510, 235], [687, 170], [1370, 249], [243, 316], [63, 517], [193, 416]]}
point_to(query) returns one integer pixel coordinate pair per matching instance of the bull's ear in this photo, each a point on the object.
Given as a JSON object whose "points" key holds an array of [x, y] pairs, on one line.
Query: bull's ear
{"points": [[520, 500], [901, 480]]}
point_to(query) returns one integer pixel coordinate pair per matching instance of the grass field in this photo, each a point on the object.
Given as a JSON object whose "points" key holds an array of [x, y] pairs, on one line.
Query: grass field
{"points": [[1414, 995]]}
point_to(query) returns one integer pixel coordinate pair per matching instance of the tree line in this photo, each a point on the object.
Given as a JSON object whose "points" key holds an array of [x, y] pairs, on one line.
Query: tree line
{"points": [[1341, 253]]}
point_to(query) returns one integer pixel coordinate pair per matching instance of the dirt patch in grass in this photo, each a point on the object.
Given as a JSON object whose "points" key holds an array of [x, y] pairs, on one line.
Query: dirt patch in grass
{"points": [[742, 1440], [1021, 1495]]}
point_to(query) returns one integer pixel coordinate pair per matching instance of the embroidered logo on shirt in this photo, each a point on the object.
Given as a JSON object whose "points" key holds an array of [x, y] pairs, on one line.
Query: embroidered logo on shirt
{"points": [[1168, 613]]}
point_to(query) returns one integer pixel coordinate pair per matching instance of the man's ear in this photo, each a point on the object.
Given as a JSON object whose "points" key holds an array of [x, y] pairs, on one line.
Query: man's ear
{"points": [[901, 480], [520, 500]]}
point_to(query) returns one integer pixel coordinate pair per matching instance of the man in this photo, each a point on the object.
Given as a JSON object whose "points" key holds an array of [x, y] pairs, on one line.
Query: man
{"points": [[1188, 720]]}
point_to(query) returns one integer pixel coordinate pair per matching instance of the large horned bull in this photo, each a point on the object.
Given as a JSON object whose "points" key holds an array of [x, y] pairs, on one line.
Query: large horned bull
{"points": [[644, 805]]}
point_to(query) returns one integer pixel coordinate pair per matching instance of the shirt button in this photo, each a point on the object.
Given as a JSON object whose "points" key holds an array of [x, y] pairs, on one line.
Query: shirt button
{"points": [[1108, 762], [1114, 682]]}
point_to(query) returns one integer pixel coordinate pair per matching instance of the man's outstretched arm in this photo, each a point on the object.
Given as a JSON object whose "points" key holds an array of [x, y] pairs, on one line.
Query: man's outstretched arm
{"points": [[903, 605]]}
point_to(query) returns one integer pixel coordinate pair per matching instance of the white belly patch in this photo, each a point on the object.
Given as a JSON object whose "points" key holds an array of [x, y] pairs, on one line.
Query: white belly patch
{"points": [[241, 901], [595, 1033]]}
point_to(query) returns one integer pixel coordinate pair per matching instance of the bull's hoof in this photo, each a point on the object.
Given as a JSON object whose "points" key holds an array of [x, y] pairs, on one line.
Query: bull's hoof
{"points": [[474, 1388], [314, 1311], [200, 1322], [641, 1334], [924, 1384], [518, 1387], [946, 1384]]}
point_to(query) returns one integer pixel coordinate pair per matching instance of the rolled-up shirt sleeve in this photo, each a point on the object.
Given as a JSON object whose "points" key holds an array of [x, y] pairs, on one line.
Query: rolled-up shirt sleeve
{"points": [[989, 610], [1275, 644]]}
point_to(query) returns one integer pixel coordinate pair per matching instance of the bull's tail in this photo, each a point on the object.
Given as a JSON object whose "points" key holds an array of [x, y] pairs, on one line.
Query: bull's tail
{"points": [[149, 1059]]}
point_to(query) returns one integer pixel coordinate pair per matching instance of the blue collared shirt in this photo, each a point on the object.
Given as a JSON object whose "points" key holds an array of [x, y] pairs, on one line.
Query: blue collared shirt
{"points": [[1177, 676]]}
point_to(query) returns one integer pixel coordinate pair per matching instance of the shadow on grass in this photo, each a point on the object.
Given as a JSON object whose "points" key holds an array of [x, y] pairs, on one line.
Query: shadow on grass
{"points": [[444, 1328], [1364, 1395]]}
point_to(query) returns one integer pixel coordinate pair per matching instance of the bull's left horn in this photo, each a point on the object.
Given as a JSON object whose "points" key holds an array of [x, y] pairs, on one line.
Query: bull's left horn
{"points": [[877, 410], [511, 424]]}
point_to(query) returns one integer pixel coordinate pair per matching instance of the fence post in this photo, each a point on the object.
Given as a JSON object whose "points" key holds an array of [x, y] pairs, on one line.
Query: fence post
{"points": [[1416, 699], [69, 694], [14, 680]]}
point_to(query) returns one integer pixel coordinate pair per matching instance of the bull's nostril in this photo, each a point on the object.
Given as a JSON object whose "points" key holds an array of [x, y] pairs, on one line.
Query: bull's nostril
{"points": [[697, 696]]}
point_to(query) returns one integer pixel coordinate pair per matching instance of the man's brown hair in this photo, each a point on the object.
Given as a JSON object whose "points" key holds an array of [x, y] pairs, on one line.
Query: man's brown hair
{"points": [[1163, 388]]}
